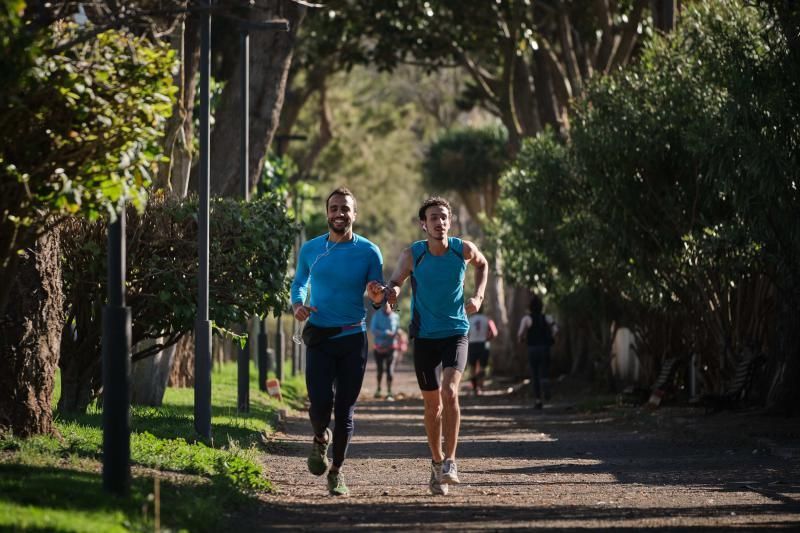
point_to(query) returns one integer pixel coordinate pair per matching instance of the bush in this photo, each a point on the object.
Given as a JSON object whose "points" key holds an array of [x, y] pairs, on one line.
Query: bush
{"points": [[250, 245]]}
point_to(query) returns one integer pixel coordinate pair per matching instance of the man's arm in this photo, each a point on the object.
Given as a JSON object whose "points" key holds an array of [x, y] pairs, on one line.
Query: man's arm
{"points": [[474, 256], [401, 273], [524, 324], [375, 290], [300, 287]]}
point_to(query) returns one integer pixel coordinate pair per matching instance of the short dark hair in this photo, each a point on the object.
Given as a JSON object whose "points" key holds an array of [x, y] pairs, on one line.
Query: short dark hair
{"points": [[433, 201], [536, 305], [342, 191]]}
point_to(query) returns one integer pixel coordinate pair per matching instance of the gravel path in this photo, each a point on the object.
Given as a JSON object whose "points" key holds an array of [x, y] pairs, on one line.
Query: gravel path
{"points": [[558, 469]]}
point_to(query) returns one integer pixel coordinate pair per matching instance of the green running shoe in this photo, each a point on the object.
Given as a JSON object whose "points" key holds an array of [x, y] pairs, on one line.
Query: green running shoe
{"points": [[336, 485], [318, 458]]}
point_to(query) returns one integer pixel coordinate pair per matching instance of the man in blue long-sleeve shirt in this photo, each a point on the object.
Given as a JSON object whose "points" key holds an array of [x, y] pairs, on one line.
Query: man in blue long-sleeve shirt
{"points": [[338, 266]]}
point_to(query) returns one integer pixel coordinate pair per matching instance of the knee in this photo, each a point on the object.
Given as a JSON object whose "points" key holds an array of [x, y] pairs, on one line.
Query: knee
{"points": [[433, 408], [450, 394]]}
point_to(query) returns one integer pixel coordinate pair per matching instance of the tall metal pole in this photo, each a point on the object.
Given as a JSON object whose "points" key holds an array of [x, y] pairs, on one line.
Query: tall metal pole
{"points": [[243, 359], [202, 353], [116, 347], [279, 350], [263, 356], [245, 94]]}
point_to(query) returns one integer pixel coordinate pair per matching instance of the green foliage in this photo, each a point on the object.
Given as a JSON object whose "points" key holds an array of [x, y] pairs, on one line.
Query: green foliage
{"points": [[233, 467], [466, 159], [80, 127], [250, 244], [541, 230], [379, 132], [53, 483], [678, 184]]}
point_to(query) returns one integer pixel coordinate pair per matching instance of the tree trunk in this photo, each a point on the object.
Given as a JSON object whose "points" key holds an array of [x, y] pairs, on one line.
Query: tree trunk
{"points": [[30, 332], [503, 347], [149, 376], [182, 374], [79, 386], [173, 176], [270, 57], [783, 395], [80, 359]]}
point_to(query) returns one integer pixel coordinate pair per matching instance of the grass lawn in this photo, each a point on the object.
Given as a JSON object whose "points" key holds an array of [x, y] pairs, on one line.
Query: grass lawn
{"points": [[55, 483]]}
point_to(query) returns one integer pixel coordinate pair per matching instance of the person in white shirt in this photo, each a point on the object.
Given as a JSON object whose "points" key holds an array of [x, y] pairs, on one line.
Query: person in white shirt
{"points": [[481, 330]]}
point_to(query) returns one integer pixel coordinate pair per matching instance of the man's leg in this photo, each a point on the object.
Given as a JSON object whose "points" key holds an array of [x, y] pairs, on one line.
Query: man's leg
{"points": [[320, 374], [451, 417], [379, 360], [534, 357], [473, 370], [454, 359], [433, 422], [477, 376], [545, 374], [427, 360], [350, 358], [391, 358], [351, 364]]}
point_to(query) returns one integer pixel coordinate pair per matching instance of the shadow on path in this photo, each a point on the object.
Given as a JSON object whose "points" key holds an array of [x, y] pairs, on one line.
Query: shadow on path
{"points": [[521, 468]]}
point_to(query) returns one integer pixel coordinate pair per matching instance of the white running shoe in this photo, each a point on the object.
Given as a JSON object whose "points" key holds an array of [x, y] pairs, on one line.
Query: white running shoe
{"points": [[435, 484], [449, 472]]}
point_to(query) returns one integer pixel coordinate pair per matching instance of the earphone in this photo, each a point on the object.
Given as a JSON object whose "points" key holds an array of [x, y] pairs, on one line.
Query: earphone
{"points": [[425, 228]]}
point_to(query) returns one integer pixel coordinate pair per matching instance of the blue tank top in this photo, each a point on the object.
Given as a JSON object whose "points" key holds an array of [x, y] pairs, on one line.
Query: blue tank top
{"points": [[437, 285]]}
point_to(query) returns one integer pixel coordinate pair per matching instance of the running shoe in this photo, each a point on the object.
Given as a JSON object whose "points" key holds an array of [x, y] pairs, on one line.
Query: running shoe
{"points": [[389, 397], [377, 394], [336, 486], [435, 484], [450, 472], [318, 458]]}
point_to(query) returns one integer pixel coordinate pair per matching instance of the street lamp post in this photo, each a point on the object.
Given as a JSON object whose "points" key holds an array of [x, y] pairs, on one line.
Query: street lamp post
{"points": [[243, 360], [202, 360], [245, 96], [280, 142], [202, 326], [116, 348]]}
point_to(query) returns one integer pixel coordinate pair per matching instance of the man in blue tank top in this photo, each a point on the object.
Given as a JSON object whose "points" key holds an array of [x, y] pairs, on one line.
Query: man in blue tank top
{"points": [[439, 327], [338, 265]]}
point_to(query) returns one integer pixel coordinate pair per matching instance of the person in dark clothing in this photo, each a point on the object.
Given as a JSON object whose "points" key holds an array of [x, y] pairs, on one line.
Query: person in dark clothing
{"points": [[538, 331]]}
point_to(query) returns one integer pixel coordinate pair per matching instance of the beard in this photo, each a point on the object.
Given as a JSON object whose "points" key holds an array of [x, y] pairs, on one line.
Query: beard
{"points": [[437, 237], [338, 231]]}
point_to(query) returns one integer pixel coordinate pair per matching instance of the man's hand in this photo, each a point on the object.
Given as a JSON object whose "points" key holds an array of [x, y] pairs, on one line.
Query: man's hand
{"points": [[473, 305], [302, 312], [376, 292], [392, 294]]}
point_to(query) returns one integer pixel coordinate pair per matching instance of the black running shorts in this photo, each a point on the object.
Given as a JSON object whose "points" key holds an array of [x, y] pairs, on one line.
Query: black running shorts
{"points": [[431, 355], [478, 354]]}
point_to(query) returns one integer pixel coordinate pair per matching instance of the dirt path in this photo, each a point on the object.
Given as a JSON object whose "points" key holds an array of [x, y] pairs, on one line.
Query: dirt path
{"points": [[559, 469]]}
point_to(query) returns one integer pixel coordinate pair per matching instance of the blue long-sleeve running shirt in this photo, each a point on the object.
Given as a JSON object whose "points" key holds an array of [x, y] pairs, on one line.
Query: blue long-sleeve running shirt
{"points": [[338, 274]]}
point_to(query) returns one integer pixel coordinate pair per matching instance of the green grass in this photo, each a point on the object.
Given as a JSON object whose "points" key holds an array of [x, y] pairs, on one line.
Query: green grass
{"points": [[54, 484]]}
